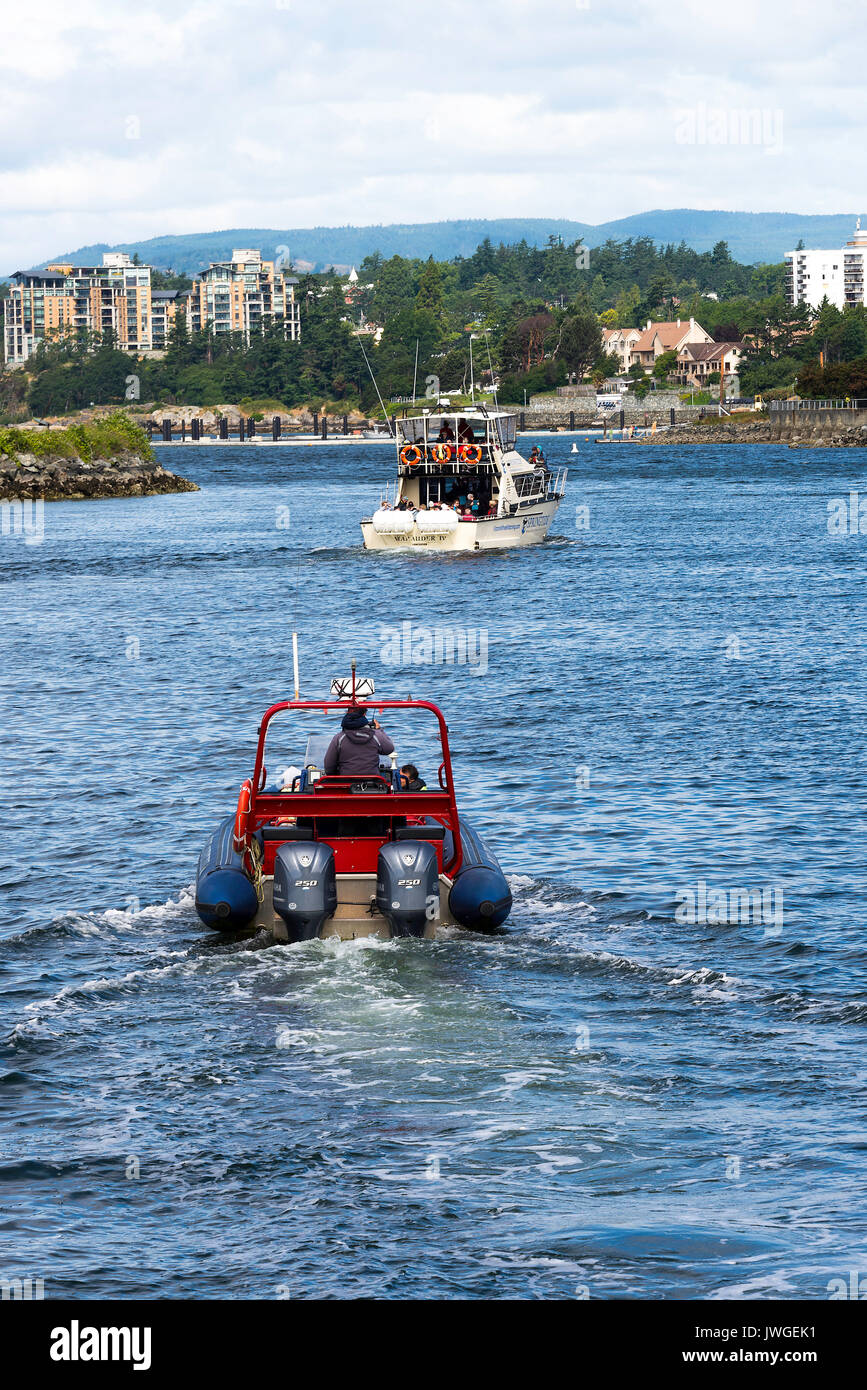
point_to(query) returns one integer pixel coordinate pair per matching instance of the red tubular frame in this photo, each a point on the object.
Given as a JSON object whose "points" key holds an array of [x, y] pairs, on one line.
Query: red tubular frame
{"points": [[265, 805]]}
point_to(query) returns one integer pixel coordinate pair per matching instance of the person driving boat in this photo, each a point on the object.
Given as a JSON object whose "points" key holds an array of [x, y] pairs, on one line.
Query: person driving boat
{"points": [[355, 751]]}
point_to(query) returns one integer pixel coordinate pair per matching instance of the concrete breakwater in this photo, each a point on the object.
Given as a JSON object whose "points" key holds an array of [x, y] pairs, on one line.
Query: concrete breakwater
{"points": [[820, 428], [31, 476]]}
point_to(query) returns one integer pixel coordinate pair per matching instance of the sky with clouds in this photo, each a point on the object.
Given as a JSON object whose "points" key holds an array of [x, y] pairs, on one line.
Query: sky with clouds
{"points": [[120, 121]]}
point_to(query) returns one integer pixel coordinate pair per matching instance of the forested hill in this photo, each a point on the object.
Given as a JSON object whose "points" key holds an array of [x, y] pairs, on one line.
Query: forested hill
{"points": [[752, 237]]}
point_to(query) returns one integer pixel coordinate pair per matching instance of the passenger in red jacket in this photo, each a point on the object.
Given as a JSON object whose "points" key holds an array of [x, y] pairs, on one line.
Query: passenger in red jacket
{"points": [[356, 750]]}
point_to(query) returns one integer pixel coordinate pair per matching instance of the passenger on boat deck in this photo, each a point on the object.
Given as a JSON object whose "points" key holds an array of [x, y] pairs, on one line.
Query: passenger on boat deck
{"points": [[472, 503], [410, 780], [356, 749], [446, 434], [465, 433]]}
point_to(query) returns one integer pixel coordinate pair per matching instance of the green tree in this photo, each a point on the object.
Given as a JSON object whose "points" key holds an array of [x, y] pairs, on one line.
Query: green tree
{"points": [[429, 299], [607, 364], [580, 342], [395, 355], [525, 343], [665, 365], [395, 290], [626, 307]]}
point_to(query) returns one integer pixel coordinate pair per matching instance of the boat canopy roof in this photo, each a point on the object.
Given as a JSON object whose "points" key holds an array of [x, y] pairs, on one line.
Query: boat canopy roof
{"points": [[472, 424]]}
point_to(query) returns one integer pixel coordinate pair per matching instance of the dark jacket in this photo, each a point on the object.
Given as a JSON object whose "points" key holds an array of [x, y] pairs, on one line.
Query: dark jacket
{"points": [[356, 752]]}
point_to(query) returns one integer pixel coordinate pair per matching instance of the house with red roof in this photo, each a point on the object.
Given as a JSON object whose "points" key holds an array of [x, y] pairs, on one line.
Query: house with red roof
{"points": [[697, 361], [644, 345], [658, 338]]}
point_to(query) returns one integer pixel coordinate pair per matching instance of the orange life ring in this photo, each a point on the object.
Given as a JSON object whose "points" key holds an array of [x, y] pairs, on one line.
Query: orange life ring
{"points": [[411, 455], [242, 817], [470, 453], [442, 453]]}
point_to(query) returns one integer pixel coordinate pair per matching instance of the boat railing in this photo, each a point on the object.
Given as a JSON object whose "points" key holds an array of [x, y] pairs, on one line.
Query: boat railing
{"points": [[557, 484], [434, 459], [541, 487], [530, 486]]}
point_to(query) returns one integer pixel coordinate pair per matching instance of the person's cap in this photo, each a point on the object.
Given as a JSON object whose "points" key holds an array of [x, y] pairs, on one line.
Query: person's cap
{"points": [[354, 718]]}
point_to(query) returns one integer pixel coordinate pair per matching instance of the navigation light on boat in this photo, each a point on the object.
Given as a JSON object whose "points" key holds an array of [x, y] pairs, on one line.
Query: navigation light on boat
{"points": [[343, 689]]}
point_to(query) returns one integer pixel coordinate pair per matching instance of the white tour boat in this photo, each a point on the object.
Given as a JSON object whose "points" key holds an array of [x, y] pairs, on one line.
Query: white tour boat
{"points": [[462, 485]]}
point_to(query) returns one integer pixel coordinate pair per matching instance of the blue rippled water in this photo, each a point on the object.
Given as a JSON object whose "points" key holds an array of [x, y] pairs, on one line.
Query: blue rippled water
{"points": [[606, 1100]]}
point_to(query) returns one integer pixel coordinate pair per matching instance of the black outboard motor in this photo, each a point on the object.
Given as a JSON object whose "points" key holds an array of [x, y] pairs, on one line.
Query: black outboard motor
{"points": [[408, 886], [305, 887]]}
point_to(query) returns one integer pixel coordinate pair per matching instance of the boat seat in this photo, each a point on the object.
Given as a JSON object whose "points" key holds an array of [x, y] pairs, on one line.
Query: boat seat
{"points": [[353, 827], [420, 832], [287, 832]]}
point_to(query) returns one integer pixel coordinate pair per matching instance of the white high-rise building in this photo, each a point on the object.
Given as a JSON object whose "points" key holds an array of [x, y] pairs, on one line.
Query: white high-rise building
{"points": [[838, 276]]}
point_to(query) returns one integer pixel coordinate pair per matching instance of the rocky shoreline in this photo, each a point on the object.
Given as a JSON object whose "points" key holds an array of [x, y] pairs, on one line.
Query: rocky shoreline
{"points": [[56, 479], [795, 432], [722, 432]]}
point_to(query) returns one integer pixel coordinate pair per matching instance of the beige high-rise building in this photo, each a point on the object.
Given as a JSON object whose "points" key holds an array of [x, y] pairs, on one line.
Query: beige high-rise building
{"points": [[111, 301], [244, 295], [115, 301]]}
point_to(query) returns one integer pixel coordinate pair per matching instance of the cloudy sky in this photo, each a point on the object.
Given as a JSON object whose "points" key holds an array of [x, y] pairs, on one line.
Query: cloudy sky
{"points": [[122, 121]]}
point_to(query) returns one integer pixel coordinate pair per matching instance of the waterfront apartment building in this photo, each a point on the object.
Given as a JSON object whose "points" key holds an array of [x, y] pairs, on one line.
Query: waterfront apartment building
{"points": [[63, 300], [244, 295], [116, 301], [839, 276], [165, 304]]}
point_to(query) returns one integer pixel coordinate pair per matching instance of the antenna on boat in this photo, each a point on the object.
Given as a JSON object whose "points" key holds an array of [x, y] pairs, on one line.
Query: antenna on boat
{"points": [[415, 373], [352, 664], [472, 378], [493, 388], [376, 388], [491, 370], [295, 627]]}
